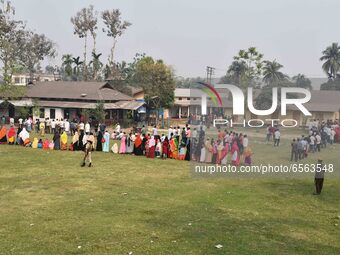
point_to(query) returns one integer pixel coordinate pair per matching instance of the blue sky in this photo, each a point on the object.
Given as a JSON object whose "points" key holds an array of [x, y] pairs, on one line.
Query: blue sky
{"points": [[191, 34]]}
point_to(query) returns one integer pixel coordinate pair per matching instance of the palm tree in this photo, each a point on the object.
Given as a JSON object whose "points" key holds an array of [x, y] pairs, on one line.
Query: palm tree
{"points": [[67, 64], [272, 74], [331, 56], [76, 69], [302, 81], [96, 64]]}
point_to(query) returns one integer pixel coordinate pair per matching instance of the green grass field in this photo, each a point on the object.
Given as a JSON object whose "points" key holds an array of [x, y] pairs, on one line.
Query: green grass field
{"points": [[50, 205]]}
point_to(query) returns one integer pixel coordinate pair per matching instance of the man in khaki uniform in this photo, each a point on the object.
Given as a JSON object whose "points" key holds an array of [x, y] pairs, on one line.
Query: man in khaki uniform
{"points": [[88, 150]]}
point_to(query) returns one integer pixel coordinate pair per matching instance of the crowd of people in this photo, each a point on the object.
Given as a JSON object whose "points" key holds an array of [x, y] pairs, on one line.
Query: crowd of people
{"points": [[320, 135], [177, 143]]}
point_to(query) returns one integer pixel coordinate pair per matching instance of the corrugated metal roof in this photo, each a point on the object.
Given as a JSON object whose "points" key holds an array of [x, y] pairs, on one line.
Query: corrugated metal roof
{"points": [[21, 103], [66, 104], [81, 90], [130, 105]]}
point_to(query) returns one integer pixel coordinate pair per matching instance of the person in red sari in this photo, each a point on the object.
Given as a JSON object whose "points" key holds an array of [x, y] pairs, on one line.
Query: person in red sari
{"points": [[151, 151], [137, 150], [235, 154], [3, 135], [165, 147], [46, 144], [11, 136]]}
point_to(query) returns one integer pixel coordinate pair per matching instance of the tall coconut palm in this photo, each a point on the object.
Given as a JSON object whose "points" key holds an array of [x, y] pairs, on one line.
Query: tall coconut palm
{"points": [[76, 68], [67, 64], [272, 74], [302, 81], [331, 56], [96, 64]]}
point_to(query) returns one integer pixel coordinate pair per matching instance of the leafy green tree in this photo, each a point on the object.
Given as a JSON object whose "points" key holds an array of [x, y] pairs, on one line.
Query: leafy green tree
{"points": [[12, 40], [115, 27], [332, 84], [157, 80], [188, 82], [331, 56], [272, 75], [253, 62], [237, 72], [302, 81], [98, 113], [50, 69], [37, 48]]}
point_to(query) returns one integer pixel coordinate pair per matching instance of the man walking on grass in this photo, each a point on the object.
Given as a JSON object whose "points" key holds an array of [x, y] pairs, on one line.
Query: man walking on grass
{"points": [[319, 177], [88, 150]]}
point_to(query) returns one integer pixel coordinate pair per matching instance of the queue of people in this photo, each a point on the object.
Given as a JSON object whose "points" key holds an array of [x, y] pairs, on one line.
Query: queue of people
{"points": [[320, 135]]}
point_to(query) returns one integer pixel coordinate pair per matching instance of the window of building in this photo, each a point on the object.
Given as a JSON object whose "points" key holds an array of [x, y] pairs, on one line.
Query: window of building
{"points": [[179, 98], [16, 80], [41, 113], [188, 98], [52, 114]]}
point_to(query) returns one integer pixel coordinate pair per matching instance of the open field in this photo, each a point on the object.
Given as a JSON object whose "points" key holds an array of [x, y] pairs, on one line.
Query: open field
{"points": [[50, 205]]}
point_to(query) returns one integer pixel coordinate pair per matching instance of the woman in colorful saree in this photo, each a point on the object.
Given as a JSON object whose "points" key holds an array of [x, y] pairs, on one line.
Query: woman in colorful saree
{"points": [[24, 137], [208, 151], [35, 143], [122, 148], [247, 156], [63, 141], [3, 135], [46, 144], [138, 146], [11, 136], [174, 148], [224, 154], [151, 151], [106, 144], [235, 154]]}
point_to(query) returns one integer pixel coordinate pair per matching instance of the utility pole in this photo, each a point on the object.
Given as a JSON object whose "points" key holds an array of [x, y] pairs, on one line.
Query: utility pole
{"points": [[210, 72]]}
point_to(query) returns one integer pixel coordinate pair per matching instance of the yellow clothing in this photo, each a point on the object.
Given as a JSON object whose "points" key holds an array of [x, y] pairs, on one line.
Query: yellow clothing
{"points": [[35, 143]]}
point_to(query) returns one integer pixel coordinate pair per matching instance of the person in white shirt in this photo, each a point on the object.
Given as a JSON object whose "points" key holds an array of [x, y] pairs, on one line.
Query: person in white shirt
{"points": [[245, 142], [87, 128], [81, 126], [117, 129], [170, 131], [20, 122], [48, 125], [277, 136], [318, 142], [312, 143], [11, 121], [154, 131], [332, 136], [53, 125], [67, 126]]}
